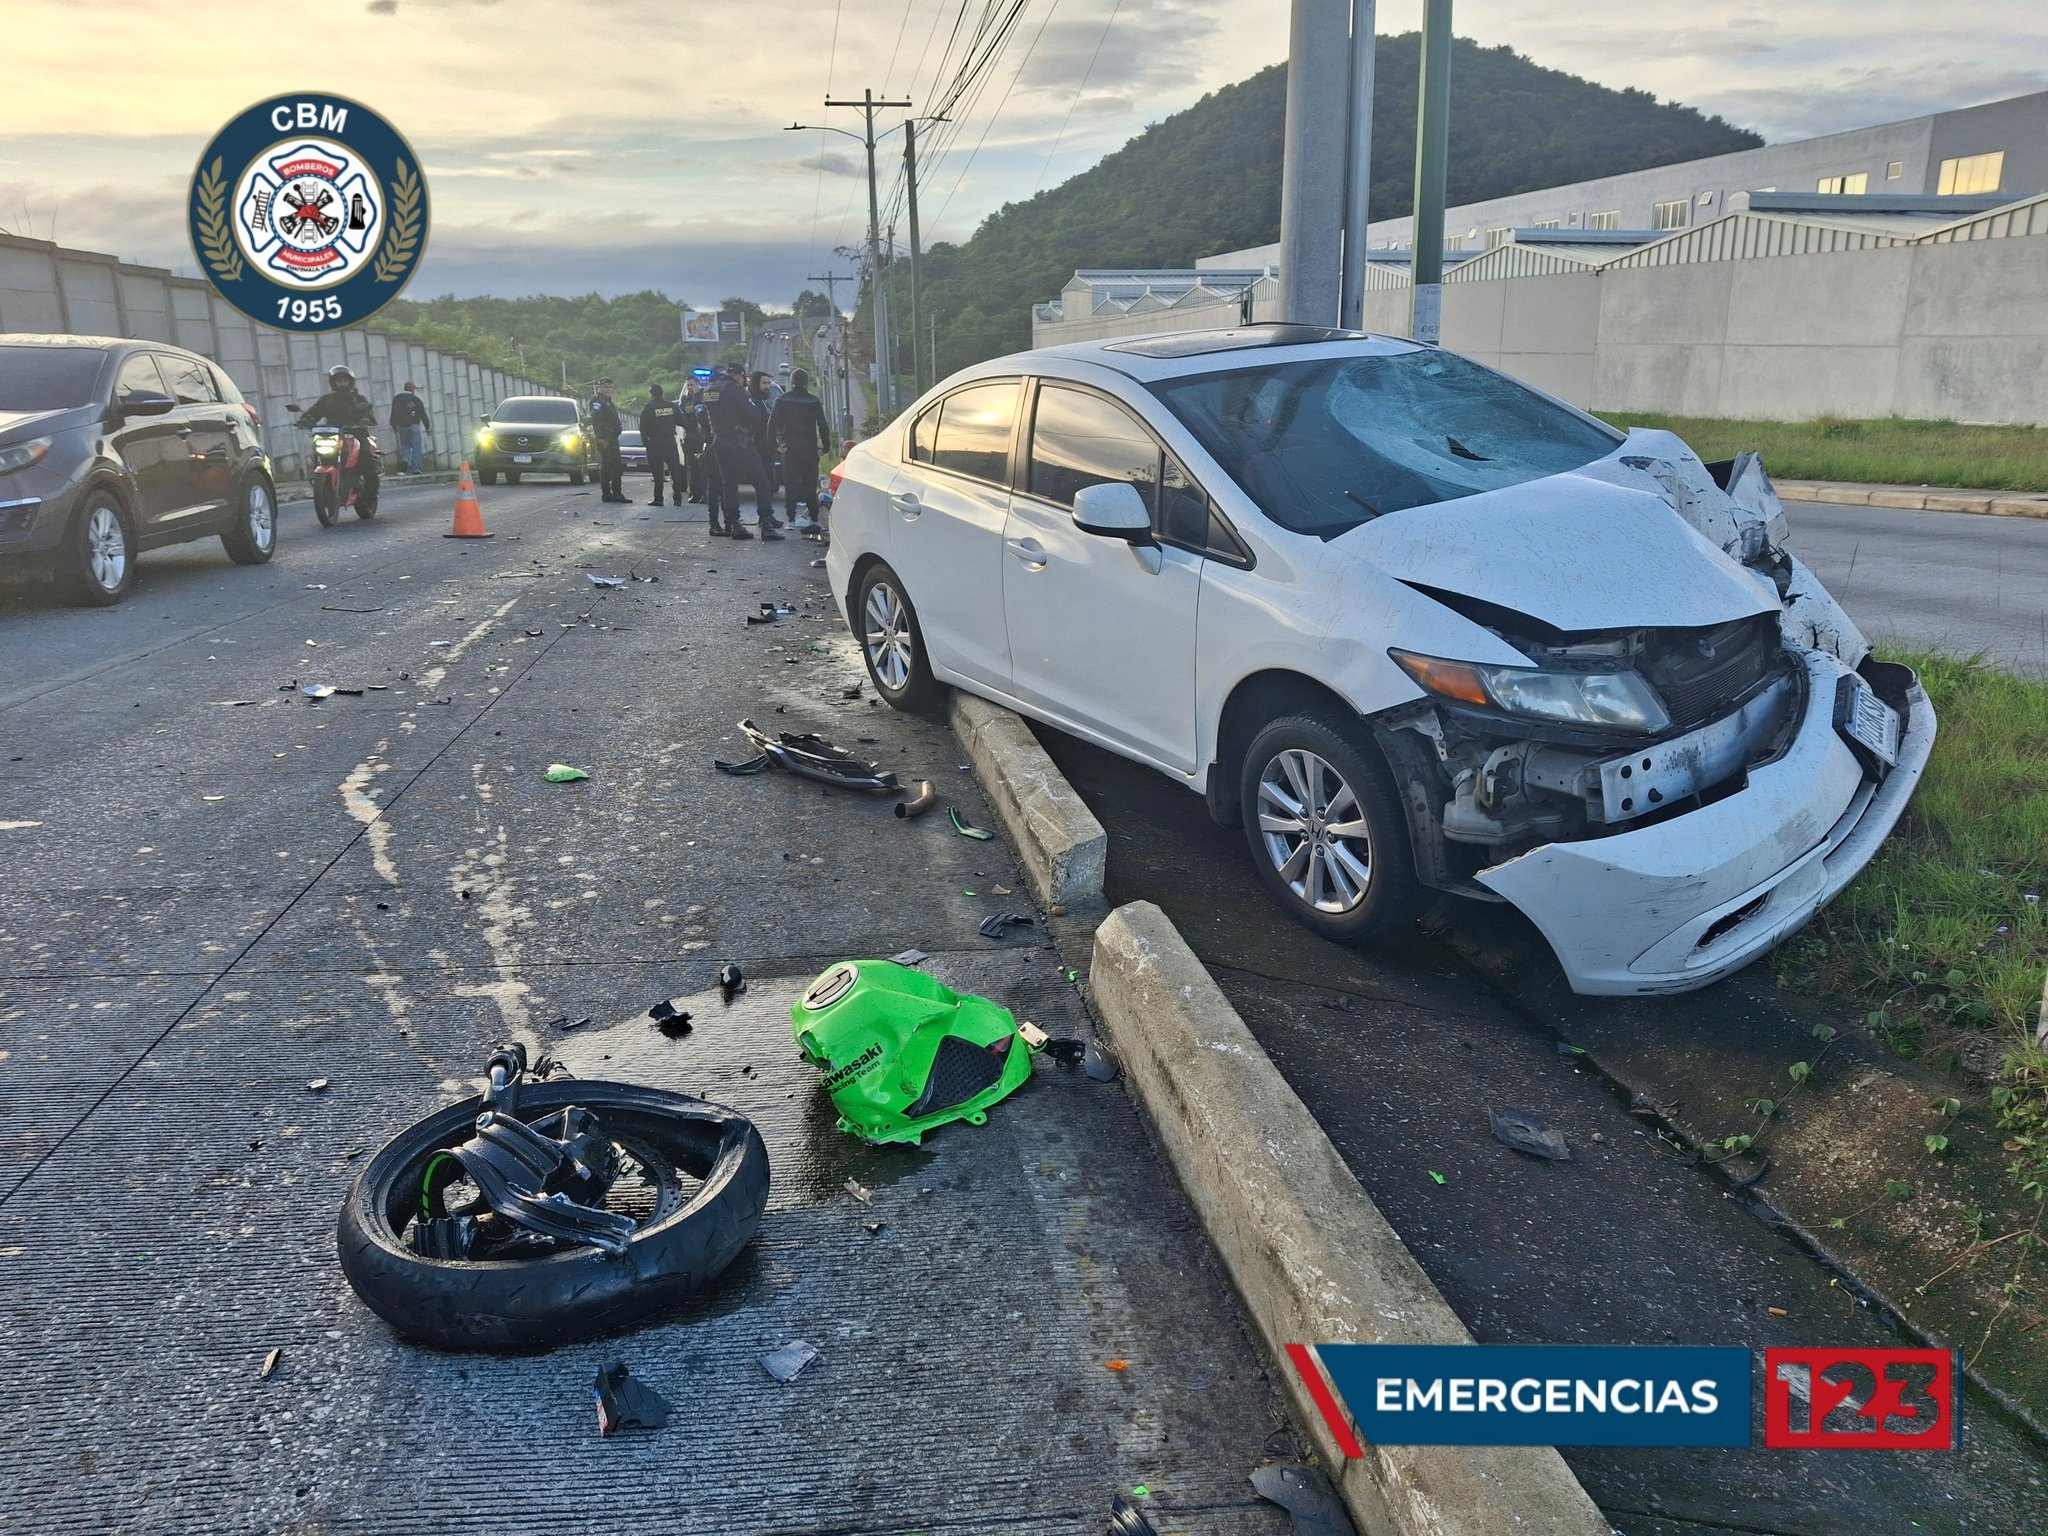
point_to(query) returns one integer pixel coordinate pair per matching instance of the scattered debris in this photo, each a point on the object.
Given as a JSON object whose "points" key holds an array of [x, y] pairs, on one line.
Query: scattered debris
{"points": [[672, 1021], [316, 586], [1564, 1048], [966, 829], [1000, 890], [625, 1403], [562, 773], [922, 798], [1126, 1519], [860, 1192], [269, 1364], [17, 826], [731, 980], [1056, 910], [1341, 1003], [535, 634], [872, 1227], [1098, 1065], [332, 608], [317, 1085], [1778, 1311], [788, 1362], [910, 957], [1434, 1175], [1305, 1493], [993, 925], [1117, 1365], [317, 691], [811, 756], [751, 766], [1525, 1131], [851, 692], [606, 581], [235, 703]]}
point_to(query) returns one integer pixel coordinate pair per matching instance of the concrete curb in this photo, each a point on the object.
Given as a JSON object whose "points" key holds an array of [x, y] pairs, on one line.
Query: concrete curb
{"points": [[1061, 844], [1916, 498], [1309, 1253]]}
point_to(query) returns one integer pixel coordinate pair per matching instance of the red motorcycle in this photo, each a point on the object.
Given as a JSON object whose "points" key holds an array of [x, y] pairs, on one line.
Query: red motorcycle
{"points": [[338, 484]]}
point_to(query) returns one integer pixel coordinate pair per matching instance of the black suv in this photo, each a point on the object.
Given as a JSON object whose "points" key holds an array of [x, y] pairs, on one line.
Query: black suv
{"points": [[536, 435], [111, 447]]}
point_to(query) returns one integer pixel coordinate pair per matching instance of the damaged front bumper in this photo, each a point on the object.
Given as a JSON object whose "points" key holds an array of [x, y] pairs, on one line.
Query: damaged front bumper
{"points": [[1687, 901]]}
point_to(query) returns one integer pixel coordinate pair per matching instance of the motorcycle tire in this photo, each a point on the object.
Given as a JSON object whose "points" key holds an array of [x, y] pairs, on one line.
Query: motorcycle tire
{"points": [[325, 507], [682, 1243], [366, 509]]}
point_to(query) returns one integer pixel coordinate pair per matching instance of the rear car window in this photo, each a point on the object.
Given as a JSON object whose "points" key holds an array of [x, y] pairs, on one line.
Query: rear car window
{"points": [[1326, 444], [537, 410], [191, 380], [974, 430], [1080, 439], [48, 378]]}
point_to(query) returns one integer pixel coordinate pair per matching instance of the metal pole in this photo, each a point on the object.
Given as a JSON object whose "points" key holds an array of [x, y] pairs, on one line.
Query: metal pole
{"points": [[1358, 183], [1312, 173], [917, 379], [1432, 146]]}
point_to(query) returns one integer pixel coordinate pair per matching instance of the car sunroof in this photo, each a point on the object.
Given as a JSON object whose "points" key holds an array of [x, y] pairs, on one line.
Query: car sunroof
{"points": [[1238, 339]]}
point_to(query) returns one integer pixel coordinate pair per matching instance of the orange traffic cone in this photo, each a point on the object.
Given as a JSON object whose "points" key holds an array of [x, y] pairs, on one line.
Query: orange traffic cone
{"points": [[469, 517]]}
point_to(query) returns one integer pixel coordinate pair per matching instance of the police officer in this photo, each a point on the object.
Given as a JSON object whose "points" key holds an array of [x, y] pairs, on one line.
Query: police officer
{"points": [[736, 422], [797, 421], [658, 424], [348, 409], [709, 486], [611, 468]]}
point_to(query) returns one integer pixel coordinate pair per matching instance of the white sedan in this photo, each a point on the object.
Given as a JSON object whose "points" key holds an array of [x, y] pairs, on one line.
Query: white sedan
{"points": [[1412, 625]]}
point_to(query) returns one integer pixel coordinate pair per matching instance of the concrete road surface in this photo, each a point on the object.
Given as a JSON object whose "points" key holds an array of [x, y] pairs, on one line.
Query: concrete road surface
{"points": [[1939, 581], [206, 904]]}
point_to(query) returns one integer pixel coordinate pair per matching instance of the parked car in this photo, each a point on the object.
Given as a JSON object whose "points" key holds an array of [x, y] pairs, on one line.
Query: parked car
{"points": [[632, 451], [535, 435], [110, 447], [1414, 626]]}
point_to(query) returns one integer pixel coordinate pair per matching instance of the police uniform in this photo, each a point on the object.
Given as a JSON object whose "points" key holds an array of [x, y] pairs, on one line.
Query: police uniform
{"points": [[611, 468], [736, 422], [658, 424], [797, 422]]}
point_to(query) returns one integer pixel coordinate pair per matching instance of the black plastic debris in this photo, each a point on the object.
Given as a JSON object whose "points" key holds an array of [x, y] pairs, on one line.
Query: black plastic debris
{"points": [[993, 925], [760, 618], [1067, 1050], [751, 766], [731, 980], [1126, 1519], [922, 798], [607, 581], [852, 691], [788, 1362], [909, 957], [1098, 1064], [1305, 1493], [1525, 1131], [811, 756], [968, 829], [672, 1021], [624, 1402], [1341, 1003]]}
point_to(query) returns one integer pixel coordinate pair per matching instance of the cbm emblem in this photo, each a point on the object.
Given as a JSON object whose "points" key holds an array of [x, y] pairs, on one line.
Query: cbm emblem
{"points": [[308, 212]]}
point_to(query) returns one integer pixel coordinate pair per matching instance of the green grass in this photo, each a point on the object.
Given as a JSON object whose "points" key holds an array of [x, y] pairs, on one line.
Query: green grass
{"points": [[1890, 451]]}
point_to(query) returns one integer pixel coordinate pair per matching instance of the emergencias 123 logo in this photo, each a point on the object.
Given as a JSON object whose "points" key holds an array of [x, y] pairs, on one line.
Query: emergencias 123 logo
{"points": [[308, 212]]}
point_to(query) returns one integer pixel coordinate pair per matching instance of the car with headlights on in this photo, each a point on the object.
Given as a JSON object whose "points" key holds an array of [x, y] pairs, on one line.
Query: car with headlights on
{"points": [[535, 435], [632, 450], [111, 446], [1413, 626]]}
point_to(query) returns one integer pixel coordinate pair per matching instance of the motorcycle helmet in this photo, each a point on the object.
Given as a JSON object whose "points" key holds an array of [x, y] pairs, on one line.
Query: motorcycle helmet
{"points": [[903, 1054], [340, 372]]}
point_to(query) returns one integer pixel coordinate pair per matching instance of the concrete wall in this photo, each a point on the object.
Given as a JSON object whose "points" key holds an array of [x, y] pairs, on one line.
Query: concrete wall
{"points": [[47, 289]]}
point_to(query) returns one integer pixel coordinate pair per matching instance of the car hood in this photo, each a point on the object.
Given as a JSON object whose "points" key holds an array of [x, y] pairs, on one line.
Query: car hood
{"points": [[1576, 551], [535, 426], [15, 424]]}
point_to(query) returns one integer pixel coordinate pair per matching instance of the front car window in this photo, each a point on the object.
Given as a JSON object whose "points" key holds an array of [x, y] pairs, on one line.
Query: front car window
{"points": [[1079, 440], [1328, 443], [48, 378], [139, 376], [974, 430]]}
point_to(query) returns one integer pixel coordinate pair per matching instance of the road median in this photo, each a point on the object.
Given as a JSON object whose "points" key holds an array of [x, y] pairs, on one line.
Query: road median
{"points": [[1061, 844]]}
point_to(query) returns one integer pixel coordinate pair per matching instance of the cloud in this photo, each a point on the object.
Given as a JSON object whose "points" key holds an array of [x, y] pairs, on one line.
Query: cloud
{"points": [[382, 7], [832, 162]]}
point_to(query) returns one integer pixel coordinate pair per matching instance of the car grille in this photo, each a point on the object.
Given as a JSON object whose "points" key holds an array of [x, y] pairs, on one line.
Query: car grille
{"points": [[1701, 673], [525, 442]]}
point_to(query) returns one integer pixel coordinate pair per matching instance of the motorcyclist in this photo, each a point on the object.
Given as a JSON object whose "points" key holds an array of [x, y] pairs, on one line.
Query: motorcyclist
{"points": [[346, 408]]}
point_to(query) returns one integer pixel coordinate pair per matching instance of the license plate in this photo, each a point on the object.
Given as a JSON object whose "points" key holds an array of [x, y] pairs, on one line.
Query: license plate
{"points": [[522, 458], [1867, 720]]}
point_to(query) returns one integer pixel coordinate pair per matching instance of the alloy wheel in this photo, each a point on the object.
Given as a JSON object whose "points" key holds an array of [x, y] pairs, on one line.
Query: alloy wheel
{"points": [[1314, 831], [106, 544], [262, 516], [886, 636]]}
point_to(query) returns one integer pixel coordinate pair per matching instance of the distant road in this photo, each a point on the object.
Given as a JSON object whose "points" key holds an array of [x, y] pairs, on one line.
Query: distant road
{"points": [[1943, 581]]}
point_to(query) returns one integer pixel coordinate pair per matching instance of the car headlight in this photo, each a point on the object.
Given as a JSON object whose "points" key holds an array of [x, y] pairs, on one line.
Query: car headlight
{"points": [[1620, 700], [571, 441], [21, 455]]}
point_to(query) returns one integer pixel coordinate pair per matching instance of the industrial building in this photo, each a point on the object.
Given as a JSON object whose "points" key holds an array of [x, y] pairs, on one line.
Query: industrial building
{"points": [[1896, 270]]}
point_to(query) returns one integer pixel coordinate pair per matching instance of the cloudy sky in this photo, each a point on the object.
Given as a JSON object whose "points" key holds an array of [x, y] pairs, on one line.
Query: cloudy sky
{"points": [[573, 145]]}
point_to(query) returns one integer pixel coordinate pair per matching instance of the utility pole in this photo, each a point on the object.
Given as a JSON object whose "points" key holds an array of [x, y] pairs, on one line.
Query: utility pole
{"points": [[1358, 184], [918, 378], [831, 280], [868, 107], [933, 352], [1311, 185], [1432, 149]]}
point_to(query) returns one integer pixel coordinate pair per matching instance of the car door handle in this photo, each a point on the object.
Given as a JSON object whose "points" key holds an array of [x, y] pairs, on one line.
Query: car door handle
{"points": [[907, 503], [184, 431], [1030, 551]]}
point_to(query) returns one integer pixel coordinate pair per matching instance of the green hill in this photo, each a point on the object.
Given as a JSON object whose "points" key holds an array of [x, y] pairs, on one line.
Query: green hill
{"points": [[1208, 179]]}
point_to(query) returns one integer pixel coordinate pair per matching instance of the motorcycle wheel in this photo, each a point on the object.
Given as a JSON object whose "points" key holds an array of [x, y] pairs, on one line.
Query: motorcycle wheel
{"points": [[324, 505], [366, 506], [698, 1187]]}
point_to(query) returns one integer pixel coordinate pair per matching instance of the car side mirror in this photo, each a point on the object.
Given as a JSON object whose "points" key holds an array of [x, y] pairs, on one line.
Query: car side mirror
{"points": [[296, 410], [146, 402], [1115, 511], [485, 418]]}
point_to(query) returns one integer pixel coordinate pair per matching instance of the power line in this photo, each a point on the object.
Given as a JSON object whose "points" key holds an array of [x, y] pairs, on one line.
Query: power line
{"points": [[908, 7], [1022, 64], [818, 188], [1085, 74]]}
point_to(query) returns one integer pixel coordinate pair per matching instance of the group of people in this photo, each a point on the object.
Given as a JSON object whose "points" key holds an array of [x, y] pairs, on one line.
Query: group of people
{"points": [[718, 434]]}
